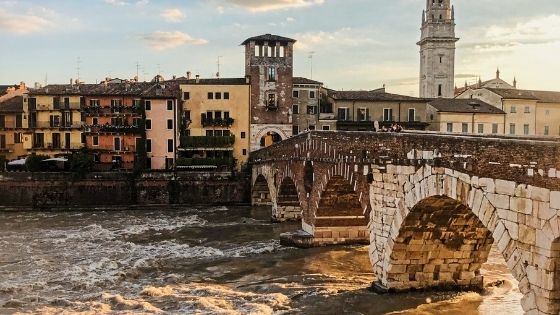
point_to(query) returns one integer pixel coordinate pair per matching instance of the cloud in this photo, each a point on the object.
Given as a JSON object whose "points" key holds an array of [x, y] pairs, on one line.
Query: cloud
{"points": [[506, 38], [116, 2], [29, 23], [167, 40], [121, 3], [172, 15], [346, 37], [271, 5]]}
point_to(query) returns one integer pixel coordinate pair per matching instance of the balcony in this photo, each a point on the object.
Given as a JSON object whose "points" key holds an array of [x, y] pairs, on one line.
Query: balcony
{"points": [[10, 125], [327, 116], [8, 148], [190, 142], [350, 125], [112, 111], [66, 106], [216, 122], [54, 125], [112, 129]]}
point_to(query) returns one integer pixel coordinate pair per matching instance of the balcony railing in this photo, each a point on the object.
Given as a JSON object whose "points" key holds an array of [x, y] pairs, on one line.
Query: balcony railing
{"points": [[207, 142], [68, 106], [112, 128], [53, 107], [216, 122], [49, 125], [57, 146], [111, 110], [10, 125]]}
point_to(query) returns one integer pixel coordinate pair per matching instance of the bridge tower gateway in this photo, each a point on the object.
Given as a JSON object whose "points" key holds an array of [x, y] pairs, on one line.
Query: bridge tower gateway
{"points": [[269, 65], [437, 50]]}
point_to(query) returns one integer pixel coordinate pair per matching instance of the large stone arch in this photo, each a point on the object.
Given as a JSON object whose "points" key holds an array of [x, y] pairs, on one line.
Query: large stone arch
{"points": [[499, 209], [288, 207]]}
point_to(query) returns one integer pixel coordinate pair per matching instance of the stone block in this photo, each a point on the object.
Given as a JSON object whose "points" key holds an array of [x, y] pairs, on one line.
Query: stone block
{"points": [[545, 211], [539, 194], [555, 200], [522, 191], [527, 234], [521, 205], [487, 184], [505, 187], [499, 201]]}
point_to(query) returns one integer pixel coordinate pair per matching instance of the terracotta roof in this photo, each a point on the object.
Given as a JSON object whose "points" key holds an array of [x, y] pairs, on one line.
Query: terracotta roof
{"points": [[300, 80], [268, 38], [547, 96], [457, 105], [4, 88], [216, 81], [375, 95], [514, 94], [128, 89], [168, 89], [12, 105]]}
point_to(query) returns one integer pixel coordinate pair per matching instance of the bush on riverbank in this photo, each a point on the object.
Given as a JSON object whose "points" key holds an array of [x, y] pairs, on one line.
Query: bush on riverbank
{"points": [[33, 163]]}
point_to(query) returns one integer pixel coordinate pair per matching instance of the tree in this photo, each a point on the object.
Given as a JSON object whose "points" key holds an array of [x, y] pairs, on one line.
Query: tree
{"points": [[33, 163], [81, 162]]}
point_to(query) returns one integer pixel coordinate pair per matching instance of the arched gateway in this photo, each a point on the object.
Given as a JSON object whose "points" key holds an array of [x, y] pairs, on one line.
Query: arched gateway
{"points": [[430, 206]]}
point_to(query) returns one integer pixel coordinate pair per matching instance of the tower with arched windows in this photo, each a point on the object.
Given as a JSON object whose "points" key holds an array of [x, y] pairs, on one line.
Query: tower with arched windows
{"points": [[437, 50]]}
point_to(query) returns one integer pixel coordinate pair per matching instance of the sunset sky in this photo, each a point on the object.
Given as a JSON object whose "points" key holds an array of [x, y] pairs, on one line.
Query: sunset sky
{"points": [[357, 44]]}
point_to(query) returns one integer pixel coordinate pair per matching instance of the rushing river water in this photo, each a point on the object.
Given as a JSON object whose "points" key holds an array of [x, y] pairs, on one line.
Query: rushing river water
{"points": [[201, 261]]}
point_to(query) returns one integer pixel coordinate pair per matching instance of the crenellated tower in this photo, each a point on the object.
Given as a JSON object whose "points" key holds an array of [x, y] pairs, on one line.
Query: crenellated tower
{"points": [[437, 50]]}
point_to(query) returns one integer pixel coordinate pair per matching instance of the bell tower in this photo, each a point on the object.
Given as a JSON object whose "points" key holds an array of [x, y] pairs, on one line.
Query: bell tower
{"points": [[437, 50]]}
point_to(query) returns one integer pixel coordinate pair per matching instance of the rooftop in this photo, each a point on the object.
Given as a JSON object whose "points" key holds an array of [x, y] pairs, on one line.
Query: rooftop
{"points": [[268, 38], [542, 96], [215, 81], [375, 95], [128, 89], [457, 105], [12, 105], [300, 80]]}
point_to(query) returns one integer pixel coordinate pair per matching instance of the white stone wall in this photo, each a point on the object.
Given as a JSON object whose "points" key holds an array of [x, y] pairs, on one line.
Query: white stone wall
{"points": [[258, 131]]}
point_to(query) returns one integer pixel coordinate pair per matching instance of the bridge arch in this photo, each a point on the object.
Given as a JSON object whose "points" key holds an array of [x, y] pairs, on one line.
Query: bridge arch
{"points": [[261, 194], [288, 207], [439, 231]]}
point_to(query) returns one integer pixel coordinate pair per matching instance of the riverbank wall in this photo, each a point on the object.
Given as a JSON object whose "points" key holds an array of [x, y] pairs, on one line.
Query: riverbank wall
{"points": [[59, 191]]}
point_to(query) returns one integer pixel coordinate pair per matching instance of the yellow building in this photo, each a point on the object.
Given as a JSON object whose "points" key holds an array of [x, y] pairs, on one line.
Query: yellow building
{"points": [[12, 128], [465, 116], [528, 112], [55, 120], [215, 122]]}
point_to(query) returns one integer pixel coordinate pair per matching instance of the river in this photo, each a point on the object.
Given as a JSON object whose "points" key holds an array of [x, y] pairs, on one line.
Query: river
{"points": [[219, 260]]}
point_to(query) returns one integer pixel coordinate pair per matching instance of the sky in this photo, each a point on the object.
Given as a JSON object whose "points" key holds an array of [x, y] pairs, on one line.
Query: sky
{"points": [[346, 44]]}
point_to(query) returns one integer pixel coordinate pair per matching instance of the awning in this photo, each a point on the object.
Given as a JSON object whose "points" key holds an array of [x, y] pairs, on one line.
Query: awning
{"points": [[56, 160], [17, 162]]}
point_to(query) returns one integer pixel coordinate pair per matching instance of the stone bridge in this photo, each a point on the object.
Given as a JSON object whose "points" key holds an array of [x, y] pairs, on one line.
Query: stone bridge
{"points": [[430, 206]]}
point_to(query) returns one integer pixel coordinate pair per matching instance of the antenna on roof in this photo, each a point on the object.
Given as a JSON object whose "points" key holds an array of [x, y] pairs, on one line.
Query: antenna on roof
{"points": [[311, 53], [78, 62], [218, 73], [137, 68]]}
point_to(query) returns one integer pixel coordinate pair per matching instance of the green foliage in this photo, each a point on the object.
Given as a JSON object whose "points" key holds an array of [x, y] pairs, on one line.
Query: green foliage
{"points": [[2, 163], [33, 163], [81, 162], [205, 161]]}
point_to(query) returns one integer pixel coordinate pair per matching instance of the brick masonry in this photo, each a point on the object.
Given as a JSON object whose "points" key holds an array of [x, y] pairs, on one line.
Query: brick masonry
{"points": [[430, 205]]}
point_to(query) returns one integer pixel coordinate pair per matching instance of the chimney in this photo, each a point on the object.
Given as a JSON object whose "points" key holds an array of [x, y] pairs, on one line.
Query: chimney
{"points": [[197, 78], [247, 79], [189, 75], [515, 82], [174, 77], [71, 81], [22, 85]]}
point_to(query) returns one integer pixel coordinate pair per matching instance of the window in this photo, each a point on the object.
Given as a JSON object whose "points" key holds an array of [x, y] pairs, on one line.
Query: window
{"points": [[218, 133], [525, 129], [449, 127], [169, 104], [326, 128], [170, 145], [188, 115], [148, 124], [2, 142], [117, 144], [210, 95], [440, 59], [311, 94], [387, 114], [295, 130], [95, 121], [464, 127], [170, 124], [363, 114], [440, 90], [226, 95], [480, 128], [411, 114], [311, 110], [148, 105], [243, 135], [95, 140], [19, 119], [494, 128], [244, 151], [94, 103], [148, 145], [209, 133], [344, 114], [186, 95], [226, 133], [271, 74], [513, 109], [527, 110], [269, 51], [226, 115], [546, 130], [295, 94], [295, 109], [218, 114], [218, 95], [257, 51], [17, 137], [282, 52], [272, 101], [511, 129], [311, 127]]}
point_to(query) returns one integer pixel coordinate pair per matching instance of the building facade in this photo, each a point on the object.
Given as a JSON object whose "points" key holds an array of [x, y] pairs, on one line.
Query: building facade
{"points": [[54, 120], [437, 50], [12, 128], [306, 96], [465, 116], [215, 122], [269, 64], [372, 110]]}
